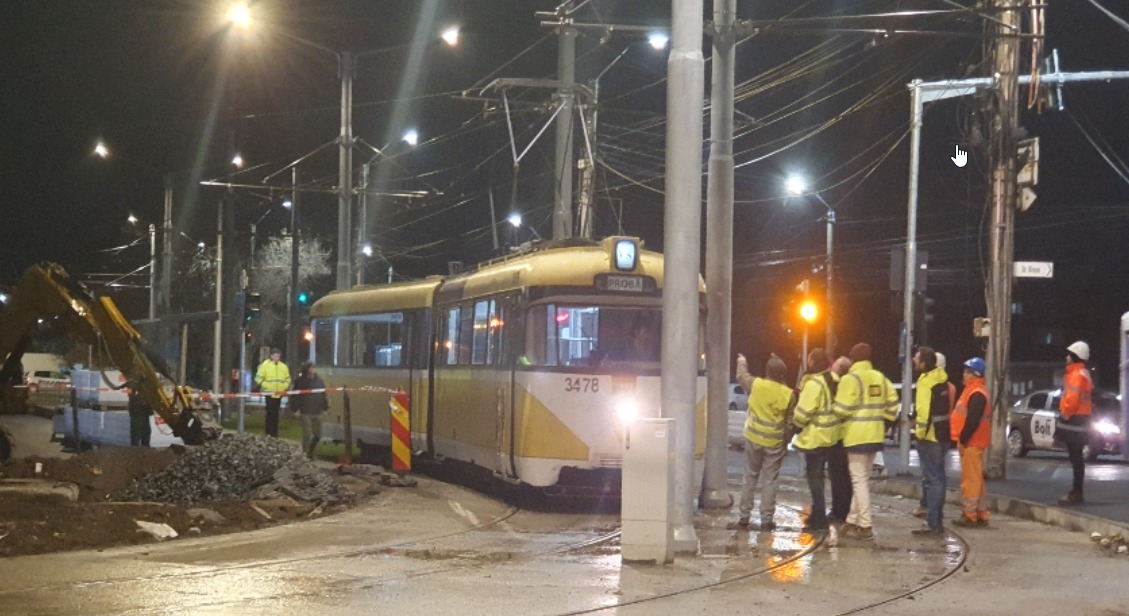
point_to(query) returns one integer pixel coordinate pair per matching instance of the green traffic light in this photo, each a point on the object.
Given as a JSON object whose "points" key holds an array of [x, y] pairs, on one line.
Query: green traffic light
{"points": [[303, 297]]}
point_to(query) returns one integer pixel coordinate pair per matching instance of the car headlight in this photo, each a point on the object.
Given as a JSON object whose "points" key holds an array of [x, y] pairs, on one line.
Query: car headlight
{"points": [[627, 409], [1106, 427]]}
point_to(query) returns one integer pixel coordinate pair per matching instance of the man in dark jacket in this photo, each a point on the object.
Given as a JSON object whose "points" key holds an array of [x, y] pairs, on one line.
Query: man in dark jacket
{"points": [[308, 406]]}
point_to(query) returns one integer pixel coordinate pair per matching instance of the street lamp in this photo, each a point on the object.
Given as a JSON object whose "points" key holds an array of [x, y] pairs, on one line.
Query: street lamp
{"points": [[241, 16], [658, 41], [103, 152], [796, 185]]}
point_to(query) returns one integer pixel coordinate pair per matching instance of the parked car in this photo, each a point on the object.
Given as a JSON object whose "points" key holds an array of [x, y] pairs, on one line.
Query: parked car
{"points": [[1032, 420], [738, 399], [46, 379]]}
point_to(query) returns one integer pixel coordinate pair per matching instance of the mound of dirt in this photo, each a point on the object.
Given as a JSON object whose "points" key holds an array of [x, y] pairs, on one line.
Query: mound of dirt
{"points": [[34, 524]]}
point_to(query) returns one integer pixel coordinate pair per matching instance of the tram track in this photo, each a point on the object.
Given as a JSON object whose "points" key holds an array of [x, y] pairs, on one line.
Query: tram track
{"points": [[655, 602]]}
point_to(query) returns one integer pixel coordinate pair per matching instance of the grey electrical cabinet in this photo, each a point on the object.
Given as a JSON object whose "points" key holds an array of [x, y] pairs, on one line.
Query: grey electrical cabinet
{"points": [[647, 506]]}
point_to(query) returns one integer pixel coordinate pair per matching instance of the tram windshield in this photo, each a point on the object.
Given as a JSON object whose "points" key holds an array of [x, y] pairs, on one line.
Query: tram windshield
{"points": [[584, 335]]}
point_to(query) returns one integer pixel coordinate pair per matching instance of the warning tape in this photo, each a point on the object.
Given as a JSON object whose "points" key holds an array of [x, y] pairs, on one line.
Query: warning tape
{"points": [[207, 395]]}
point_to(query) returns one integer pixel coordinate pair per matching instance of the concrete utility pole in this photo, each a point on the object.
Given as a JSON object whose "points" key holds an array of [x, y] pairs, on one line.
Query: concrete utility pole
{"points": [[682, 242], [563, 162], [345, 177], [217, 349], [1005, 63], [910, 279], [719, 257], [164, 300]]}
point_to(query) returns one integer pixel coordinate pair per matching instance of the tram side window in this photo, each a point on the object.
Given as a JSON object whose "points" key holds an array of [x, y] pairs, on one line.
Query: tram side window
{"points": [[466, 332], [497, 326], [562, 335], [379, 340], [451, 337], [324, 341], [483, 317]]}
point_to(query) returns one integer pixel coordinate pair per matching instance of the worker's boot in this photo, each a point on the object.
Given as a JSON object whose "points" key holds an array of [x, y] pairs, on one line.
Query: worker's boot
{"points": [[1073, 497]]}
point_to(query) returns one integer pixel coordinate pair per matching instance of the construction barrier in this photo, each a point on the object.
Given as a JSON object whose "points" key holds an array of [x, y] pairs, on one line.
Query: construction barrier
{"points": [[400, 423]]}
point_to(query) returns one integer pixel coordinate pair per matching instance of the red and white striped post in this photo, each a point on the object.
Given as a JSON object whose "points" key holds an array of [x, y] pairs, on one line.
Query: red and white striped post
{"points": [[400, 423]]}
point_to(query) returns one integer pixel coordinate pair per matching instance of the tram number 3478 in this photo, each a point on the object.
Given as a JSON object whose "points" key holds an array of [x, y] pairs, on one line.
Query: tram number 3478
{"points": [[582, 385]]}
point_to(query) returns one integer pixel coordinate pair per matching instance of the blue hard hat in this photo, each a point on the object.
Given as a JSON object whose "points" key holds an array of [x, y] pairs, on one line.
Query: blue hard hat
{"points": [[976, 365]]}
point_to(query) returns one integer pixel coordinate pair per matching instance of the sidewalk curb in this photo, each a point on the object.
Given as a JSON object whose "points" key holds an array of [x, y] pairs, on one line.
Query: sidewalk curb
{"points": [[910, 487]]}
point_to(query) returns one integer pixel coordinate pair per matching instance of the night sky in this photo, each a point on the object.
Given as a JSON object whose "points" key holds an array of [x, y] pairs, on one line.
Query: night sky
{"points": [[174, 95]]}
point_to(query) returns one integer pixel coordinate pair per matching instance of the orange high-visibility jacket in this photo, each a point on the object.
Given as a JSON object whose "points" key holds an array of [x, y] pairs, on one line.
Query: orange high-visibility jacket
{"points": [[1076, 389], [960, 415]]}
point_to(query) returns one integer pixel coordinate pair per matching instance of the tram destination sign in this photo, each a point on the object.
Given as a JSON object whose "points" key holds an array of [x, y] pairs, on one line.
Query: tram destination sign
{"points": [[625, 283]]}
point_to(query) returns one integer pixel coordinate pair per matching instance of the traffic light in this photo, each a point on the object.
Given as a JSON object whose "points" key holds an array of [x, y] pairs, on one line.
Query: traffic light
{"points": [[252, 305], [809, 311], [304, 297]]}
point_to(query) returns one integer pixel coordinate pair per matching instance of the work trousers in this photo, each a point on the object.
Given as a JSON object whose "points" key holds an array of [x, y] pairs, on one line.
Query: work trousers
{"points": [[311, 433], [760, 460], [834, 460], [859, 465], [1075, 440], [139, 429], [972, 490], [933, 481], [272, 406]]}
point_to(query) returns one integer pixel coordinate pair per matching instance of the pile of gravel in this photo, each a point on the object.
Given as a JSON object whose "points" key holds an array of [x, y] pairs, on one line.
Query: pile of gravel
{"points": [[240, 467]]}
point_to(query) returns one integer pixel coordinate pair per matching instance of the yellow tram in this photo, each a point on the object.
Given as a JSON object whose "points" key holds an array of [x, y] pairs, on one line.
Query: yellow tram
{"points": [[522, 366]]}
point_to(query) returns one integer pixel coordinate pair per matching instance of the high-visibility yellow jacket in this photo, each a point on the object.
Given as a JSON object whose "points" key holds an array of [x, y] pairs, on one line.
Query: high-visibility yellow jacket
{"points": [[866, 400], [819, 427], [273, 377], [926, 425], [769, 403]]}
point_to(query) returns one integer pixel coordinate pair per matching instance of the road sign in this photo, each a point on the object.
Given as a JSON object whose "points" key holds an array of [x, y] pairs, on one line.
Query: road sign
{"points": [[1034, 269]]}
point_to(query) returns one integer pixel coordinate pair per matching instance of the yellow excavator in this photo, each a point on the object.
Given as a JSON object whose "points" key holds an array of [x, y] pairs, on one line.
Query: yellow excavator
{"points": [[46, 291]]}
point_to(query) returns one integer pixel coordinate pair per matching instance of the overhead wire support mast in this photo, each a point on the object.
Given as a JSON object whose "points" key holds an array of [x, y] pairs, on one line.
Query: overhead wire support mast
{"points": [[927, 92]]}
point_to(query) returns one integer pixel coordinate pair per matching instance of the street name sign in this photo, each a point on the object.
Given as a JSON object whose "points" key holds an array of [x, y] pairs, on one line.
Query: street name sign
{"points": [[1034, 269]]}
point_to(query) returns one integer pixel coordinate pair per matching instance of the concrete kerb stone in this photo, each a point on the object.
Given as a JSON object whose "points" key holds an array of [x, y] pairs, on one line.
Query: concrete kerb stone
{"points": [[910, 487]]}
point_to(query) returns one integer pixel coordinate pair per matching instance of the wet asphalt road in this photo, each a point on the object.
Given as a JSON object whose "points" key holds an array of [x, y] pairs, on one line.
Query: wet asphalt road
{"points": [[444, 549]]}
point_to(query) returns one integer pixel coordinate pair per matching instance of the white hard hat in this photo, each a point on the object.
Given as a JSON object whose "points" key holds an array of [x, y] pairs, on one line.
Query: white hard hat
{"points": [[940, 360], [1081, 349]]}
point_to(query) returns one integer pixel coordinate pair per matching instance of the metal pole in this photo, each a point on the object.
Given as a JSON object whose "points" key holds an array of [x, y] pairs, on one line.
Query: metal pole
{"points": [[1005, 67], [291, 307], [1123, 382], [152, 272], [493, 221], [719, 258], [566, 74], [345, 176], [828, 313], [217, 371], [682, 241], [165, 301], [910, 271], [362, 225]]}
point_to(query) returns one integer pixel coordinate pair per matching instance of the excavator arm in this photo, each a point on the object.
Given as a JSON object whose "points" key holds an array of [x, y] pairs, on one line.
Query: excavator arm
{"points": [[46, 291]]}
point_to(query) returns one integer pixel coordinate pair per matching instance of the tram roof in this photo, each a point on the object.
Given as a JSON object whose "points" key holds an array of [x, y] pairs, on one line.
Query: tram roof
{"points": [[359, 300]]}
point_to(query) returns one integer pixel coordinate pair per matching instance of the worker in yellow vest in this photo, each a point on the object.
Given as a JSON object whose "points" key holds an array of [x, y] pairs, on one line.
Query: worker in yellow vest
{"points": [[770, 407], [866, 400], [821, 441], [272, 378]]}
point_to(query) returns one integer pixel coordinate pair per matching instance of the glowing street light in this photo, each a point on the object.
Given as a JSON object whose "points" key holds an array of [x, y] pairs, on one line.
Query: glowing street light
{"points": [[131, 219], [237, 161], [451, 36], [658, 40], [101, 151], [798, 186], [240, 15], [411, 137]]}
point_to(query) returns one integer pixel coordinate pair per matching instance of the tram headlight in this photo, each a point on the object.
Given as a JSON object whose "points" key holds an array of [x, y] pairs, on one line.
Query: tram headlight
{"points": [[627, 409]]}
